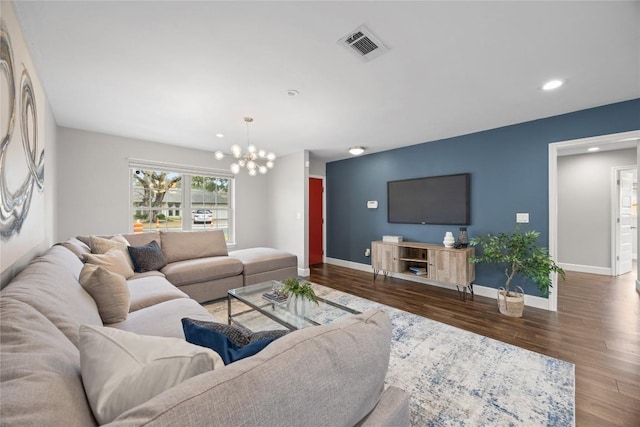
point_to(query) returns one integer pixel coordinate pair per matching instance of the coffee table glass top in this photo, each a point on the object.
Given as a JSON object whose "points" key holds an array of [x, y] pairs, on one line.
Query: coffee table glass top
{"points": [[252, 295]]}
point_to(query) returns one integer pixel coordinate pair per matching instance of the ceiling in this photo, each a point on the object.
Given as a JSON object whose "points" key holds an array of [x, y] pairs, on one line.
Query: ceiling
{"points": [[180, 72]]}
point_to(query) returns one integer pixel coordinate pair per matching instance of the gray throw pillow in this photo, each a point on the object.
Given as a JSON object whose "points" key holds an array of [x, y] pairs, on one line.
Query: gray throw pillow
{"points": [[239, 335], [148, 257]]}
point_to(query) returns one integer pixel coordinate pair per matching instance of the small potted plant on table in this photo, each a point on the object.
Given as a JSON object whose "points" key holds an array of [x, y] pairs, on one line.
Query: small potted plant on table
{"points": [[519, 254], [301, 295]]}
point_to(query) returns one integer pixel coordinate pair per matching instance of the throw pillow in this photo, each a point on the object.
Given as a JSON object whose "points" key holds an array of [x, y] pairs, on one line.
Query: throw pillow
{"points": [[239, 335], [121, 370], [109, 290], [148, 257], [220, 343], [113, 260], [100, 245]]}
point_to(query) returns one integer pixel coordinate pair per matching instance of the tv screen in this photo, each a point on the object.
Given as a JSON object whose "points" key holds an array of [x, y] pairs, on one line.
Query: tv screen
{"points": [[431, 200]]}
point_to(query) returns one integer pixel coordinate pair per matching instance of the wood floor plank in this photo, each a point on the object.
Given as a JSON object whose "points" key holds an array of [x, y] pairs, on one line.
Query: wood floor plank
{"points": [[597, 327]]}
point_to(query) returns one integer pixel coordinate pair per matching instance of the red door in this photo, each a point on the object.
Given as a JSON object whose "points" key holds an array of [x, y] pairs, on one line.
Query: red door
{"points": [[315, 221]]}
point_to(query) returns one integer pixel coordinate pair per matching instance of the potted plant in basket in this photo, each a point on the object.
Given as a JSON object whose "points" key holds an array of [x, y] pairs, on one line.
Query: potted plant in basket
{"points": [[301, 295], [520, 255]]}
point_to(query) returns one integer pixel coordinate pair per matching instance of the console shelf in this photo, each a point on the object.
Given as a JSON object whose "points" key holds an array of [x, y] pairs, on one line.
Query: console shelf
{"points": [[442, 266]]}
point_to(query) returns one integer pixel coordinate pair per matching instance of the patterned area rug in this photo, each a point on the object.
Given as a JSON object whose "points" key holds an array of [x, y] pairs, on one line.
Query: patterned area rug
{"points": [[458, 378]]}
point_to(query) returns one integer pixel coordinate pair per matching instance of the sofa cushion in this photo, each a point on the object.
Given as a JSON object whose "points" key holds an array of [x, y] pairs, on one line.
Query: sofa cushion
{"points": [[163, 319], [113, 260], [197, 333], [179, 246], [339, 377], [78, 248], [147, 257], [40, 382], [202, 269], [50, 284], [109, 290], [259, 260], [151, 290], [120, 369], [139, 239], [101, 245]]}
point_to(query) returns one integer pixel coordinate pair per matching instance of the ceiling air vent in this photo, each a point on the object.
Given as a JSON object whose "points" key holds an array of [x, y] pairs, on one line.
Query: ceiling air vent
{"points": [[363, 43]]}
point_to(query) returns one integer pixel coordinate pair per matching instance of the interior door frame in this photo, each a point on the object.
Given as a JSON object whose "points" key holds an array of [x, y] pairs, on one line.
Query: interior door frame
{"points": [[554, 148], [615, 214], [324, 216]]}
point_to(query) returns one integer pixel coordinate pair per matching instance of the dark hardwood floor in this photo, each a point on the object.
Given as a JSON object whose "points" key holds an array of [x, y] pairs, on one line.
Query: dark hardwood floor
{"points": [[597, 327]]}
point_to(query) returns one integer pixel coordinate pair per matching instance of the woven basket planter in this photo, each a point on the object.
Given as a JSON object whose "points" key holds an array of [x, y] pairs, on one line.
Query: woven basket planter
{"points": [[511, 303]]}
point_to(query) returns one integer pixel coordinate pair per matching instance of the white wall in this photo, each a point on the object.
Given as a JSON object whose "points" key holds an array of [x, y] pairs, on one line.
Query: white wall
{"points": [[46, 218], [288, 207], [94, 185], [584, 208]]}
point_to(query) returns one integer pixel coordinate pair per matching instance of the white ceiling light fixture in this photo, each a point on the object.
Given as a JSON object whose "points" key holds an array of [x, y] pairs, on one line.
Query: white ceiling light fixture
{"points": [[356, 151], [252, 159], [552, 84], [593, 149]]}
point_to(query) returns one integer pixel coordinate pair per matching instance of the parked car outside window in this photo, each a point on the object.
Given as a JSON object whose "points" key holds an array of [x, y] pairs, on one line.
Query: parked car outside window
{"points": [[202, 216]]}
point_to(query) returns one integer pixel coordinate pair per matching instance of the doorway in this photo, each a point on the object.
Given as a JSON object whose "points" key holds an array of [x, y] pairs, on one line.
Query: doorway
{"points": [[624, 219], [614, 141], [316, 220]]}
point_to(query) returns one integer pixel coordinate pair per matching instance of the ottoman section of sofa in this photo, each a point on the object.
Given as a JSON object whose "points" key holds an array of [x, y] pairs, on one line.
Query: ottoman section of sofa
{"points": [[262, 264], [205, 279]]}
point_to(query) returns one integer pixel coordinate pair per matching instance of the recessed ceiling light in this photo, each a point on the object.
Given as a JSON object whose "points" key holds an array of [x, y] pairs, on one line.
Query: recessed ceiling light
{"points": [[552, 84], [592, 149], [220, 135], [356, 151], [293, 92]]}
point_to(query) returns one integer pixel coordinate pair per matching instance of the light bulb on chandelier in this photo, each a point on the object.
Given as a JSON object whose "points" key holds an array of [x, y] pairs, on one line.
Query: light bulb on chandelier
{"points": [[254, 160]]}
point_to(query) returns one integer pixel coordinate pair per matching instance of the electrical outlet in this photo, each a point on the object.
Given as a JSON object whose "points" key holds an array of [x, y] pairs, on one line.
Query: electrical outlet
{"points": [[522, 218], [367, 252]]}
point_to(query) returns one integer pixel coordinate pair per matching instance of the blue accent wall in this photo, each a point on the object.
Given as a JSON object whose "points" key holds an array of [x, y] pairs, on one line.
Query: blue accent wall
{"points": [[509, 174]]}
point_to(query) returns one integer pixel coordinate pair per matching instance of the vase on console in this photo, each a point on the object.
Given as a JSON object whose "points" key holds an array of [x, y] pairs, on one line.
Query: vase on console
{"points": [[449, 240]]}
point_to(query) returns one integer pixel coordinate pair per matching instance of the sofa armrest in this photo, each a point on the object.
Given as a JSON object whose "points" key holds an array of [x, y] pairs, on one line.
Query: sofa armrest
{"points": [[391, 410]]}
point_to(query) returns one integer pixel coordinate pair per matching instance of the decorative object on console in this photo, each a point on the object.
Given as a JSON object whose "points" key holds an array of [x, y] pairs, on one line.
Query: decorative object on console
{"points": [[449, 240], [463, 238], [394, 239], [520, 254], [253, 159]]}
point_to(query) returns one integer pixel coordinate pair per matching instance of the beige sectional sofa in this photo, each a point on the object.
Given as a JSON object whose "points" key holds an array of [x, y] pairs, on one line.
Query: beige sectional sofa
{"points": [[199, 264], [320, 376]]}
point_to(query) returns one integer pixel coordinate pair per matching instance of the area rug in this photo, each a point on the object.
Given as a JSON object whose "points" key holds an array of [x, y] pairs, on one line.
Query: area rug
{"points": [[458, 378]]}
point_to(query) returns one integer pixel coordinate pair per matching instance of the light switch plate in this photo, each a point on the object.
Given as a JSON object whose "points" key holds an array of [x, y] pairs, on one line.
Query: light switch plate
{"points": [[522, 218], [372, 204]]}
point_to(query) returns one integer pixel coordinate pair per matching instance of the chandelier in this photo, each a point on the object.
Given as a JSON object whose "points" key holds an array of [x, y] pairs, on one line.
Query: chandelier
{"points": [[252, 159]]}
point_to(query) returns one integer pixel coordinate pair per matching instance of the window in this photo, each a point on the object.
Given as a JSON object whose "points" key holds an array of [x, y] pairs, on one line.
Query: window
{"points": [[180, 198]]}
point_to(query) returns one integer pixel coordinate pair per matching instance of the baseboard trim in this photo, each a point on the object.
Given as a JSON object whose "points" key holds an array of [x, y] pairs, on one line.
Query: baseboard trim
{"points": [[605, 271], [483, 291], [304, 272]]}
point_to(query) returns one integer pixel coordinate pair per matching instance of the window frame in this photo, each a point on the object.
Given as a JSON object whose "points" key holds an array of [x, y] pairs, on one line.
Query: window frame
{"points": [[186, 172]]}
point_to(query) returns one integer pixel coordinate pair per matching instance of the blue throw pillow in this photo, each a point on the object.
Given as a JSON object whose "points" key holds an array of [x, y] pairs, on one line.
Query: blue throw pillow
{"points": [[220, 343]]}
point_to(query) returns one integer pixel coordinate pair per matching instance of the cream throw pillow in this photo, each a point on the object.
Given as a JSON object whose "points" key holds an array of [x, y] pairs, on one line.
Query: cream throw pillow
{"points": [[113, 260], [109, 290], [121, 370], [100, 245]]}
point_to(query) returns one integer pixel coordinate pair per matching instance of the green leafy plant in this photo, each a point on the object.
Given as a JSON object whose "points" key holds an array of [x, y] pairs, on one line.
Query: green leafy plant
{"points": [[520, 255], [295, 287]]}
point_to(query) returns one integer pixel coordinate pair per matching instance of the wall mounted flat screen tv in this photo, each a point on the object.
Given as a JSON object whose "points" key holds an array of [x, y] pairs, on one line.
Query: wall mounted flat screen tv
{"points": [[431, 200]]}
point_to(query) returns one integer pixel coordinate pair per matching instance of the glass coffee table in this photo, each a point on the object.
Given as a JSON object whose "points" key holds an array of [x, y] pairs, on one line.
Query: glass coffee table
{"points": [[252, 295]]}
